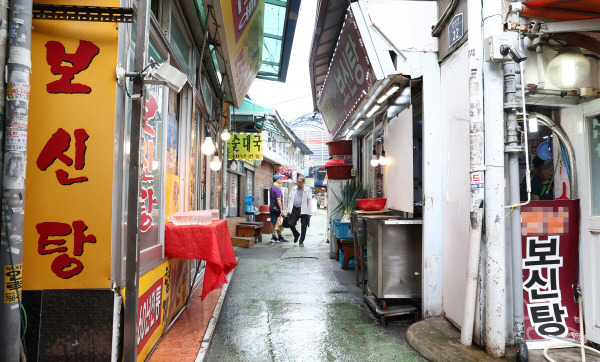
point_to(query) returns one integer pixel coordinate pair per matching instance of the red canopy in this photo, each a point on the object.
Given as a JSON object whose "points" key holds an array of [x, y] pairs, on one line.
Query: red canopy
{"points": [[562, 9]]}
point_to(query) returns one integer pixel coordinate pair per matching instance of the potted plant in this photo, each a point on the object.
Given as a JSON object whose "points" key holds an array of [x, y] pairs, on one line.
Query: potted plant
{"points": [[350, 191]]}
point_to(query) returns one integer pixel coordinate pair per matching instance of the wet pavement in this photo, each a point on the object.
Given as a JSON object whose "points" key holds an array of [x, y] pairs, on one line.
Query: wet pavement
{"points": [[292, 303]]}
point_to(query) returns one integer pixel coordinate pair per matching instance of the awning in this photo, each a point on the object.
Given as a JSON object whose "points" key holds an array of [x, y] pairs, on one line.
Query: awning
{"points": [[330, 18], [279, 29], [562, 9]]}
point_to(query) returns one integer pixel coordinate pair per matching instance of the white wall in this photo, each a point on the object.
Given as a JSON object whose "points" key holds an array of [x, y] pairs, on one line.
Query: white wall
{"points": [[455, 153], [399, 21], [398, 174]]}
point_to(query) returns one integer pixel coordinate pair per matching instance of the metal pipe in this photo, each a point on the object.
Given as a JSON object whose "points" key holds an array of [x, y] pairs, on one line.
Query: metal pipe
{"points": [[495, 256], [132, 248], [540, 65], [13, 177], [437, 29], [548, 122], [476, 172], [513, 148]]}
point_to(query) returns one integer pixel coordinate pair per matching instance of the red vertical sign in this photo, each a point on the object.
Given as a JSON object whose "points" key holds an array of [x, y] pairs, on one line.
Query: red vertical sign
{"points": [[550, 246]]}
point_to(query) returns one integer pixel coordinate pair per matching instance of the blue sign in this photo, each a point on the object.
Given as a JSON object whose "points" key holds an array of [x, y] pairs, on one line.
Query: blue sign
{"points": [[455, 29]]}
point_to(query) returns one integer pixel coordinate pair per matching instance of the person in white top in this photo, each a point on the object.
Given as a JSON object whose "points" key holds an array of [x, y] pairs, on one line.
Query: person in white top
{"points": [[300, 208]]}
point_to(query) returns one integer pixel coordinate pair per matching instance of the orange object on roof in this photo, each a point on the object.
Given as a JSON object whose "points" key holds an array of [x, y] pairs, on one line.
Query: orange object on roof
{"points": [[562, 9]]}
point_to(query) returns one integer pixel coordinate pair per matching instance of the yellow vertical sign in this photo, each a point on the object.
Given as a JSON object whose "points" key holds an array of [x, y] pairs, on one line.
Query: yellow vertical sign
{"points": [[68, 203]]}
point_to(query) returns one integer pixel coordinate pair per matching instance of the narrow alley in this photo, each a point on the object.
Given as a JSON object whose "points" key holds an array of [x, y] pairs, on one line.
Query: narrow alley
{"points": [[287, 303]]}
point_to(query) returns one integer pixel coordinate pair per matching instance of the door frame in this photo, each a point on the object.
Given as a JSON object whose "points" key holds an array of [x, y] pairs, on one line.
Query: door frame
{"points": [[589, 247]]}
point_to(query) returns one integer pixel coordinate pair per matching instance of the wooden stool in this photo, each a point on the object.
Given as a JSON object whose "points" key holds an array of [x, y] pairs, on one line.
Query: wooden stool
{"points": [[347, 245], [249, 230]]}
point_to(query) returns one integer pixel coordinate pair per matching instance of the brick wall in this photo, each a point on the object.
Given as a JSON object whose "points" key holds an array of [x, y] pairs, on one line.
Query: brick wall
{"points": [[263, 179]]}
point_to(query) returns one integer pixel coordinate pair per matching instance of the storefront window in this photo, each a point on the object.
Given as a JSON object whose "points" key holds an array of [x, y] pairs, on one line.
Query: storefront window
{"points": [[151, 149], [172, 186], [594, 132]]}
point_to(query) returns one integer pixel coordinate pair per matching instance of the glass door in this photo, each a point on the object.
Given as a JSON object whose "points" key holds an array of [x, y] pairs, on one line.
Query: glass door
{"points": [[589, 169]]}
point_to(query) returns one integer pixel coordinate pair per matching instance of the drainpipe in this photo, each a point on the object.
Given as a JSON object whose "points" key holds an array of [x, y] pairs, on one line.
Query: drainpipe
{"points": [[13, 177], [513, 147], [476, 172], [495, 256]]}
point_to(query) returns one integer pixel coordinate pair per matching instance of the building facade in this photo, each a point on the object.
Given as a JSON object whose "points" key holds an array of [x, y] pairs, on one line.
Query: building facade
{"points": [[432, 111]]}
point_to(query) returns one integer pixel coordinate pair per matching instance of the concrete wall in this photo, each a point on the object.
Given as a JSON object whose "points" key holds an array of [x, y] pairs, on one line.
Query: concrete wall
{"points": [[407, 32], [455, 153], [263, 179]]}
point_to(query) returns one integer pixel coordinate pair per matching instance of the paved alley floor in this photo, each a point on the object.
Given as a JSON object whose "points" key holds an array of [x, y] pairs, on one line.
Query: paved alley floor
{"points": [[287, 303]]}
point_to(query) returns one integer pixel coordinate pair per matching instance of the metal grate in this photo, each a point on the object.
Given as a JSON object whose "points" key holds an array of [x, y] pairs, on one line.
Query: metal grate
{"points": [[83, 13]]}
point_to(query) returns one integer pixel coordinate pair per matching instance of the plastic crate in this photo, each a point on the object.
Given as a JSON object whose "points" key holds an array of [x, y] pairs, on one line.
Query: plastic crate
{"points": [[341, 229]]}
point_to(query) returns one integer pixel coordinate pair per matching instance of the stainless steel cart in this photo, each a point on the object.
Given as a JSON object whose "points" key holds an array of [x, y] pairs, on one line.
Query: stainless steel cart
{"points": [[394, 255]]}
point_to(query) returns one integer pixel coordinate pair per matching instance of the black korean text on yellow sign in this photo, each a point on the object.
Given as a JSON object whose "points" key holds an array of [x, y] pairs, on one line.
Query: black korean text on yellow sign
{"points": [[12, 283], [245, 146]]}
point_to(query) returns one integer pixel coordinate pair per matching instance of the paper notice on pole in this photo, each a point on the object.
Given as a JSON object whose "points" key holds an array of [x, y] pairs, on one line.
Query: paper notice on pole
{"points": [[477, 180]]}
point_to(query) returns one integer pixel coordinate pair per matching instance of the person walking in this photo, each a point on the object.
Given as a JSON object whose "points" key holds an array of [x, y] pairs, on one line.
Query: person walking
{"points": [[300, 208], [276, 209]]}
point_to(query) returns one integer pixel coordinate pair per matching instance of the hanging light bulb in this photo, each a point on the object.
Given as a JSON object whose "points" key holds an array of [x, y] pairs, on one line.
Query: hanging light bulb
{"points": [[383, 160], [225, 136], [568, 69], [374, 161], [215, 163], [208, 147]]}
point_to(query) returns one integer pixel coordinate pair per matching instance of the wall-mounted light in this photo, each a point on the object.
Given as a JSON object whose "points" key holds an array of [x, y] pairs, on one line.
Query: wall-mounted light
{"points": [[568, 69], [208, 147], [349, 133], [358, 125], [388, 94], [215, 163], [225, 136]]}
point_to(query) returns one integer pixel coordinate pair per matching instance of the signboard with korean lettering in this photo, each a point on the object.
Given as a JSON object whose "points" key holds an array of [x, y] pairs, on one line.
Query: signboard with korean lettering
{"points": [[550, 238], [349, 78], [70, 149], [245, 146], [162, 293], [239, 25]]}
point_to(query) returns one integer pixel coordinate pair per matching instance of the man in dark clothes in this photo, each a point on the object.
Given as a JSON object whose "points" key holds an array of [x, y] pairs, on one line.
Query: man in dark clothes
{"points": [[542, 185], [276, 209]]}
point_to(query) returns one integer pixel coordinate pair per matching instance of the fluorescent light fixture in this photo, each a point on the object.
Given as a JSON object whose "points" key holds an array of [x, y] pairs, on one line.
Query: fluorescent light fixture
{"points": [[358, 125], [373, 110], [392, 90], [349, 133], [382, 98], [533, 125]]}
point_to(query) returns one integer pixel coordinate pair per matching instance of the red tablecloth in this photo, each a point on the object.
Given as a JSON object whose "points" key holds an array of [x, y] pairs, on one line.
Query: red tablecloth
{"points": [[204, 242]]}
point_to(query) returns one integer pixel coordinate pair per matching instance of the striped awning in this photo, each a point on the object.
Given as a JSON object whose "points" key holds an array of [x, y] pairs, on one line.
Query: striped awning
{"points": [[562, 9]]}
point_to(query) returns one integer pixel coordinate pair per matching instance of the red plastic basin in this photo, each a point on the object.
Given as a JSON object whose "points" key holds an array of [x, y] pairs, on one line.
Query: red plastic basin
{"points": [[371, 204]]}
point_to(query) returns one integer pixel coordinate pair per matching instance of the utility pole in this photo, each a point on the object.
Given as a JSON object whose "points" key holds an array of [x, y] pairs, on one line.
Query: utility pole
{"points": [[132, 252], [13, 177], [495, 253]]}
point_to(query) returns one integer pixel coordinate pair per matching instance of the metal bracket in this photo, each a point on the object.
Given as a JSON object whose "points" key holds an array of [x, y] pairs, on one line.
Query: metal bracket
{"points": [[83, 13]]}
